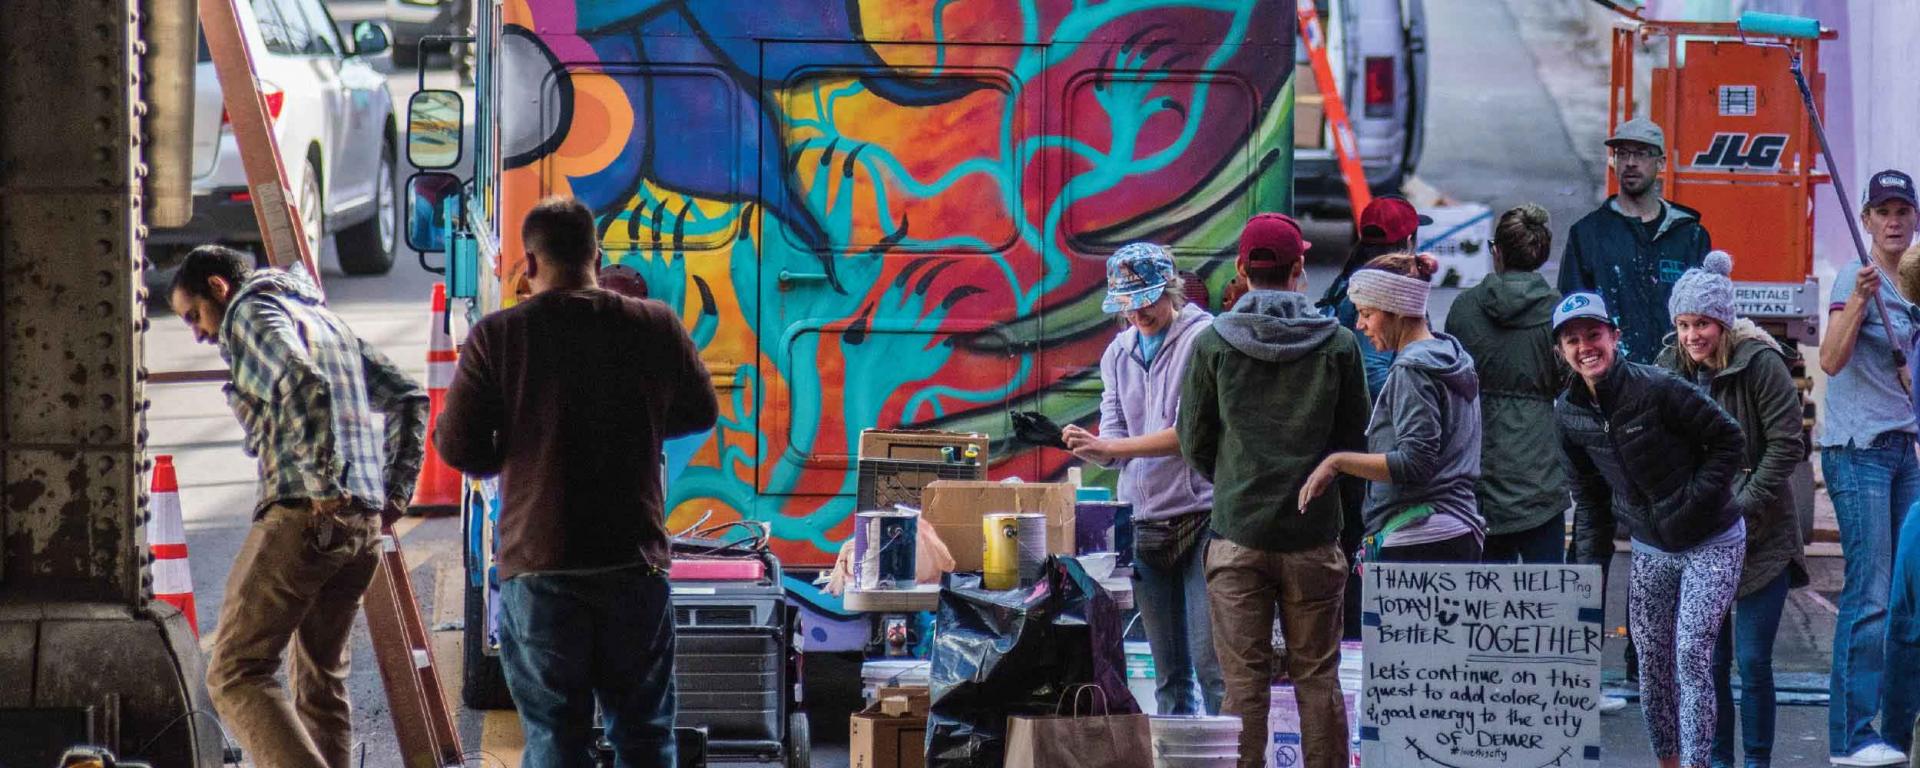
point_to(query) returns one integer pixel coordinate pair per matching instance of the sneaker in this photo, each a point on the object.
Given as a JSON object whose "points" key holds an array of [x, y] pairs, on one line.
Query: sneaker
{"points": [[1612, 704], [1872, 755]]}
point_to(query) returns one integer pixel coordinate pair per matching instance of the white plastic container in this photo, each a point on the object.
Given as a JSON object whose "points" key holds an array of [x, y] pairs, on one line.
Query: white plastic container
{"points": [[1195, 742], [904, 673], [1140, 679], [1459, 238]]}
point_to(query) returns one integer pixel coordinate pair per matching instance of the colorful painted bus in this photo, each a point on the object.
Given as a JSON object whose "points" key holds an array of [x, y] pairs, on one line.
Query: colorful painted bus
{"points": [[871, 214]]}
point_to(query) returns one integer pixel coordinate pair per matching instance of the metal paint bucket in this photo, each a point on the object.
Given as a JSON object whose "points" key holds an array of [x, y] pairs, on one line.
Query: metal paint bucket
{"points": [[1013, 545], [884, 545], [1096, 527]]}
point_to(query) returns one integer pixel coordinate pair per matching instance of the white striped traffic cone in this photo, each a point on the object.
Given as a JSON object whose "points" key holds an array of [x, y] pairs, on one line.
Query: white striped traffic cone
{"points": [[172, 578], [438, 490]]}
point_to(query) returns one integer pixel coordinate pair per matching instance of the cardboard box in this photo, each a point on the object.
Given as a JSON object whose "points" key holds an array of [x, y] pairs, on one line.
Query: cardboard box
{"points": [[918, 444], [1309, 123], [955, 508], [904, 701], [1309, 110], [876, 740]]}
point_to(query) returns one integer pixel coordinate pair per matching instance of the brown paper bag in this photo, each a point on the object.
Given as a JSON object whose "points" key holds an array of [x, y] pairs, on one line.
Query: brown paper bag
{"points": [[1080, 739]]}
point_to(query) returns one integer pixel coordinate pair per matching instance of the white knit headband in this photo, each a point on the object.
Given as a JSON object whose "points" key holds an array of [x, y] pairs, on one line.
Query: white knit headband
{"points": [[1388, 292]]}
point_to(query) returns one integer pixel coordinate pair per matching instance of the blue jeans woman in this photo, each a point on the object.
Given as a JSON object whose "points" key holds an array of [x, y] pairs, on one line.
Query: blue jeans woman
{"points": [[1141, 374], [1867, 456]]}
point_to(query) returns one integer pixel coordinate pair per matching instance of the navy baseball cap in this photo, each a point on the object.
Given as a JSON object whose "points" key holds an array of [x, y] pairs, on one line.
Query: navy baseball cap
{"points": [[1580, 306], [1890, 185]]}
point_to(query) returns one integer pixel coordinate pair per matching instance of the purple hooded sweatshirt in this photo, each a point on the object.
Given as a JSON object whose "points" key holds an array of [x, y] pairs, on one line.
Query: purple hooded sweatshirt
{"points": [[1141, 399]]}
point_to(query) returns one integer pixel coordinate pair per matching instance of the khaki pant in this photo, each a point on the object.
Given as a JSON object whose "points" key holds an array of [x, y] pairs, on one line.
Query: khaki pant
{"points": [[1243, 587], [286, 588]]}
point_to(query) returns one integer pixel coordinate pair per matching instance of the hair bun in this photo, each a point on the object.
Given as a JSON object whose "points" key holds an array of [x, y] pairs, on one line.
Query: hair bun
{"points": [[1533, 214], [1719, 263], [1427, 264]]}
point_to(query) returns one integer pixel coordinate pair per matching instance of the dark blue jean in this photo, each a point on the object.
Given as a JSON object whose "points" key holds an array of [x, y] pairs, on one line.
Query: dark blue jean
{"points": [[1173, 607], [1543, 544], [1872, 488], [567, 639], [1748, 636], [1902, 702]]}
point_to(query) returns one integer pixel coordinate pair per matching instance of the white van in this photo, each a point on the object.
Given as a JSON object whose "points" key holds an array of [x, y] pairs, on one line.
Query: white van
{"points": [[1378, 50]]}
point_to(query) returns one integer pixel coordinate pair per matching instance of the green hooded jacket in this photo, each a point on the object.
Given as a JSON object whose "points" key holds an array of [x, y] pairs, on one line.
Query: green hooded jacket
{"points": [[1505, 323], [1757, 390], [1271, 389]]}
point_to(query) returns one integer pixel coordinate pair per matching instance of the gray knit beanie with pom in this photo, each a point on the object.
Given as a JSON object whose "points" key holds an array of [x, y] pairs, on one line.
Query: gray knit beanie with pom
{"points": [[1706, 290]]}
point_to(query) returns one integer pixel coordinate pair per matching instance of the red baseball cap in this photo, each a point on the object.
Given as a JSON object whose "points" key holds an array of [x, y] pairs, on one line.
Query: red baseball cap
{"points": [[1271, 241], [1390, 219]]}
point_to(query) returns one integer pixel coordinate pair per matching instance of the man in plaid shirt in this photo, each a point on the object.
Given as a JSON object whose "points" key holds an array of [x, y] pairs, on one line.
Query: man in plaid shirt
{"points": [[305, 389]]}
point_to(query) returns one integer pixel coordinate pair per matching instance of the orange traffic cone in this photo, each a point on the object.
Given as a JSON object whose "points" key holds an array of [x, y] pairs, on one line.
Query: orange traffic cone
{"points": [[172, 579], [438, 491]]}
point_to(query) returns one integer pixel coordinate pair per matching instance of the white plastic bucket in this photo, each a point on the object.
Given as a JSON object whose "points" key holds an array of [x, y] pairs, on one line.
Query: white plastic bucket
{"points": [[1140, 681], [905, 673], [1195, 742], [1196, 761]]}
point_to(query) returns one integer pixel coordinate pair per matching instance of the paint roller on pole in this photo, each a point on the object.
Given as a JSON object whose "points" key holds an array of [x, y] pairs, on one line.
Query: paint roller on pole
{"points": [[1782, 25]]}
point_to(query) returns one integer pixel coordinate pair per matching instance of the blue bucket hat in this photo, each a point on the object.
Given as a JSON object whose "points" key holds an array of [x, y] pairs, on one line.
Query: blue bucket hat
{"points": [[1136, 276]]}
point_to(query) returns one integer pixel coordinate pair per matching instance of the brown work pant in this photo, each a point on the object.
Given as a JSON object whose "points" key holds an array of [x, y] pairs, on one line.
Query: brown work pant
{"points": [[1243, 587], [285, 588]]}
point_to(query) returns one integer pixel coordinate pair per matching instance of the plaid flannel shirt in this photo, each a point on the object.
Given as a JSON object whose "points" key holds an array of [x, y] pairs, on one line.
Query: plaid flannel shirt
{"points": [[305, 388]]}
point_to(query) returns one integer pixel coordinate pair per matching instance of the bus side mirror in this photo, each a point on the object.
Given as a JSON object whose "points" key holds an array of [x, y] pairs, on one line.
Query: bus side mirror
{"points": [[434, 120], [428, 193]]}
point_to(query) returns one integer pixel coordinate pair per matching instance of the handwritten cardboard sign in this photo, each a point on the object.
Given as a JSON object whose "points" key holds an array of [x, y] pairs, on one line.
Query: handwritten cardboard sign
{"points": [[1481, 665]]}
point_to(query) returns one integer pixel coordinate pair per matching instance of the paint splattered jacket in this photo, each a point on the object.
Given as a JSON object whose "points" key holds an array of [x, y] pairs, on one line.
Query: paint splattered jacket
{"points": [[1141, 398], [305, 389], [1633, 265]]}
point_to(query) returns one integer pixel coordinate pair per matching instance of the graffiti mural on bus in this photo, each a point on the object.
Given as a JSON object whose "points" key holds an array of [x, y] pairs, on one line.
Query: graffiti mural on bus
{"points": [[890, 214]]}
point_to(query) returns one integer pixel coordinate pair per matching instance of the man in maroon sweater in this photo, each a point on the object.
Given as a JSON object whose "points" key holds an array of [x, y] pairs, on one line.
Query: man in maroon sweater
{"points": [[567, 397]]}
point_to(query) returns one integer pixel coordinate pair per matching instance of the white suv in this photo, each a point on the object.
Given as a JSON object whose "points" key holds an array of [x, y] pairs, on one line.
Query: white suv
{"points": [[333, 117]]}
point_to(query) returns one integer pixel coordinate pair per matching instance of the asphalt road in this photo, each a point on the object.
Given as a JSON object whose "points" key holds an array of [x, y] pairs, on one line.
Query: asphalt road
{"points": [[1495, 136]]}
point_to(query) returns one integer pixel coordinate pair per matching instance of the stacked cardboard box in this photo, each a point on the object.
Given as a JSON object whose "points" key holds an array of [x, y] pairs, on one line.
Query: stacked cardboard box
{"points": [[892, 732]]}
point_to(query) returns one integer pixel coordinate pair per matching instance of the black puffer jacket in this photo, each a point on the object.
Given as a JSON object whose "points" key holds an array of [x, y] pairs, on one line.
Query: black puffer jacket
{"points": [[1654, 453]]}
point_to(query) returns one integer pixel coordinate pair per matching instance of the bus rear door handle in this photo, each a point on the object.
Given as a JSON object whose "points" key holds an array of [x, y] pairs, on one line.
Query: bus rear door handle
{"points": [[788, 278]]}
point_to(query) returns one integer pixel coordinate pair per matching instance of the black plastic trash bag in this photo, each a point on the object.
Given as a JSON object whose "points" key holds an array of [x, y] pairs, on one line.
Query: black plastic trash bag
{"points": [[1000, 653]]}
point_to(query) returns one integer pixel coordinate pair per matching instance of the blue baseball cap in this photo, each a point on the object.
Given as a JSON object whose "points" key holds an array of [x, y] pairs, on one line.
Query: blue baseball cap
{"points": [[1580, 306], [1136, 276]]}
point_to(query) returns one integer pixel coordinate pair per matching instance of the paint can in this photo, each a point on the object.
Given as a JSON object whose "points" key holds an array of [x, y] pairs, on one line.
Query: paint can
{"points": [[1104, 526], [884, 544], [1096, 526], [1014, 544]]}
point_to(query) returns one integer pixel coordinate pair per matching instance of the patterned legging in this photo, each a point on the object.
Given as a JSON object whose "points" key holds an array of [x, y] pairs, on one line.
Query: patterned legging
{"points": [[1677, 604]]}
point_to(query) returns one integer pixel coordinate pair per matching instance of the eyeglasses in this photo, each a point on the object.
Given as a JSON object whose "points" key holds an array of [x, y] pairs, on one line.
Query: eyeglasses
{"points": [[1636, 154]]}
